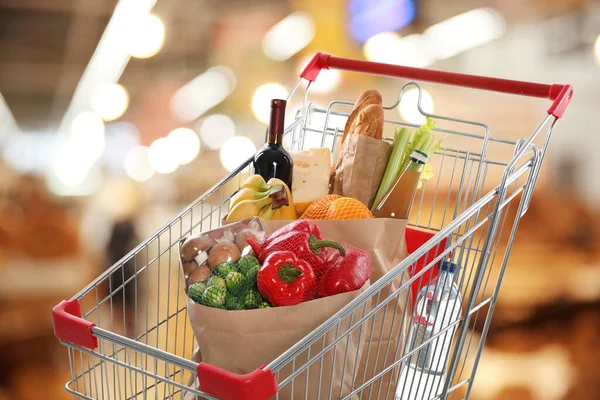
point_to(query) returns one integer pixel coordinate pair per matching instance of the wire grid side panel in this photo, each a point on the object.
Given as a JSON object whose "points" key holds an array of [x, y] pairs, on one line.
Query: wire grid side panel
{"points": [[113, 372], [143, 296], [361, 355]]}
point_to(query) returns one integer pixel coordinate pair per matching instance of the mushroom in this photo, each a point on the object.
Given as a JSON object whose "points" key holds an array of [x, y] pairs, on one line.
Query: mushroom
{"points": [[241, 240], [194, 245], [200, 274], [223, 252], [188, 267]]}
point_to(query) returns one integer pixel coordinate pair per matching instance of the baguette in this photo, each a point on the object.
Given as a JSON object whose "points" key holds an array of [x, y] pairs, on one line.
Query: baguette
{"points": [[366, 119], [366, 98]]}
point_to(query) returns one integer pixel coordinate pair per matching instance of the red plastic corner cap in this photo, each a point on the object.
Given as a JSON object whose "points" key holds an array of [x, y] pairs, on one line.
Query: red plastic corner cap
{"points": [[70, 327], [257, 385], [318, 62], [561, 96]]}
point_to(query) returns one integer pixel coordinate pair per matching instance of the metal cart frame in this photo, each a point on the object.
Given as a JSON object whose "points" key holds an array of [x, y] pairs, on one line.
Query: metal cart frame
{"points": [[473, 205]]}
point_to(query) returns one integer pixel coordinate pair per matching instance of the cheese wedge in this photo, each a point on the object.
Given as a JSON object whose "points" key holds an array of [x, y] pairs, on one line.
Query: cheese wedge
{"points": [[310, 177]]}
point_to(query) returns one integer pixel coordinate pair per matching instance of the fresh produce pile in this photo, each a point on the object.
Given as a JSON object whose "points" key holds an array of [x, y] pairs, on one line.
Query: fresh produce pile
{"points": [[293, 265], [221, 268]]}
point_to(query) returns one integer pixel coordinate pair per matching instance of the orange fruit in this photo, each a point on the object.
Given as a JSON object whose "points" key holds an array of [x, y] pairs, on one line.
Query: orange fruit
{"points": [[334, 207], [348, 208]]}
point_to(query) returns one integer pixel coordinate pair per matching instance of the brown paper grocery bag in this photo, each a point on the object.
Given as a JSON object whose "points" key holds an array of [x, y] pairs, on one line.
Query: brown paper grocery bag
{"points": [[385, 240], [241, 341], [363, 164]]}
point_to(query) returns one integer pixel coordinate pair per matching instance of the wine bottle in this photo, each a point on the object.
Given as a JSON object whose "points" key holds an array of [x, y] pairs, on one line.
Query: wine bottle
{"points": [[272, 160]]}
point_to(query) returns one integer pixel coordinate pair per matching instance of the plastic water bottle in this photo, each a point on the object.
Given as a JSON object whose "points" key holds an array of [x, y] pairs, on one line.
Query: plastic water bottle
{"points": [[437, 306]]}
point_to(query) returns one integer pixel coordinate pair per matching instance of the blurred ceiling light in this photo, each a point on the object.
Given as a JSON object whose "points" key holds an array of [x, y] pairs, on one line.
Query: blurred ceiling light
{"points": [[597, 49], [70, 165], [216, 129], [110, 101], [146, 36], [289, 36], [465, 31], [186, 144], [368, 18], [413, 51], [408, 106], [137, 164], [261, 100], [120, 138], [382, 47], [109, 59], [202, 93], [30, 152], [235, 151], [87, 134], [163, 156]]}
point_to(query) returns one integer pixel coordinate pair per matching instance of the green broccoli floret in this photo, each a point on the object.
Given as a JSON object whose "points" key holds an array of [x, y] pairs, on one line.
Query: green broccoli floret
{"points": [[264, 304], [196, 290], [218, 282], [252, 275], [251, 299], [213, 297], [247, 262], [231, 302], [235, 282], [225, 268]]}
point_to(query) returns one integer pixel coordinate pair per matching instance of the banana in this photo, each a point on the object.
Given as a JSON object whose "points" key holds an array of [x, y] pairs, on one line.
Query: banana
{"points": [[252, 194], [248, 208], [266, 212], [284, 212], [255, 182], [245, 194]]}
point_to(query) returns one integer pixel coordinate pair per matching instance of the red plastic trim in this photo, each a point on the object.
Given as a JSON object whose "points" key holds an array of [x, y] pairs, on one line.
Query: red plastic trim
{"points": [[416, 238], [560, 94], [318, 62], [257, 385], [70, 327]]}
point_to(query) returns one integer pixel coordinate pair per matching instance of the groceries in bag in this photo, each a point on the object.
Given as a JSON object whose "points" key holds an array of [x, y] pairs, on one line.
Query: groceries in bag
{"points": [[334, 207], [423, 141], [273, 160], [310, 177], [438, 306], [363, 155], [398, 200], [266, 200]]}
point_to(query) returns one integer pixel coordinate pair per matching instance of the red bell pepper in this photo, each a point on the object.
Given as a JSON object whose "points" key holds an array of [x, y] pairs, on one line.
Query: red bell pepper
{"points": [[301, 225], [345, 273], [285, 280], [305, 246]]}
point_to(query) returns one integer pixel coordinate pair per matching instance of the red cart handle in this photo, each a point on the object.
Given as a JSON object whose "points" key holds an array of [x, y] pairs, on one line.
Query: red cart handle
{"points": [[560, 94]]}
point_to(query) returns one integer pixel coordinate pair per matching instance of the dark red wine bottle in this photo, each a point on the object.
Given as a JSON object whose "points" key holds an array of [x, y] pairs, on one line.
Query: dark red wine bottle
{"points": [[272, 160]]}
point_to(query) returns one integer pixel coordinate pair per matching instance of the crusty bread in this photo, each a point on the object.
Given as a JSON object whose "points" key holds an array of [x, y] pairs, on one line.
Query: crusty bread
{"points": [[366, 98], [366, 119]]}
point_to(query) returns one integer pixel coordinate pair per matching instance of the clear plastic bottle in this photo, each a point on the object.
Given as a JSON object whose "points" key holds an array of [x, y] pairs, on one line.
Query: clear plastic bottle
{"points": [[437, 306]]}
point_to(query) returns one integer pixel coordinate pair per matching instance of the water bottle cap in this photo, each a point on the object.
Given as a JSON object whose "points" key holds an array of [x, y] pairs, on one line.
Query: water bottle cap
{"points": [[447, 266]]}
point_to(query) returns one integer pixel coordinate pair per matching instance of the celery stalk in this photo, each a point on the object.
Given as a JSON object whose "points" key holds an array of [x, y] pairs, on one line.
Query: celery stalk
{"points": [[393, 168]]}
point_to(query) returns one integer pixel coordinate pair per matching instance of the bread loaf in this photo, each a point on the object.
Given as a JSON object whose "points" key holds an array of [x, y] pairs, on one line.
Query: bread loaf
{"points": [[366, 119], [366, 99]]}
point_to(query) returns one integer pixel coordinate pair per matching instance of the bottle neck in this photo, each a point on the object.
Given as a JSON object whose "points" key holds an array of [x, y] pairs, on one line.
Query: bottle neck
{"points": [[276, 122], [445, 279]]}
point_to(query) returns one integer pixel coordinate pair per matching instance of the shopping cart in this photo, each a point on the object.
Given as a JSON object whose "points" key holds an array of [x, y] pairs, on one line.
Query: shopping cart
{"points": [[483, 186]]}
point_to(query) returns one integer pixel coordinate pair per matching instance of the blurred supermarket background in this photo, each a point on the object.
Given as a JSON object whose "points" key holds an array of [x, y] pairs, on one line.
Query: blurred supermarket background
{"points": [[116, 114]]}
